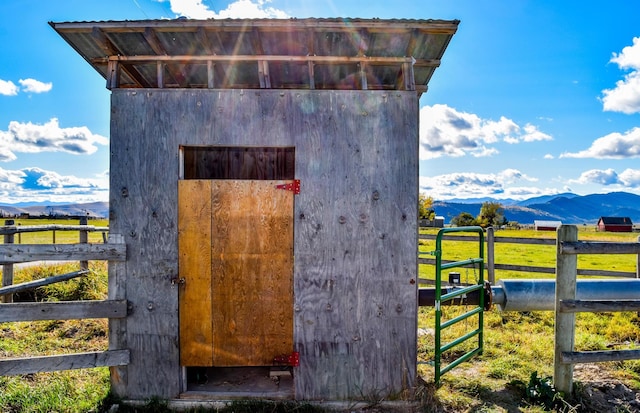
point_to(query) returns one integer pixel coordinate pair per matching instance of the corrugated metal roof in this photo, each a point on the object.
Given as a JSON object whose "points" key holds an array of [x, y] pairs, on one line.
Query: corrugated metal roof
{"points": [[263, 53], [550, 224]]}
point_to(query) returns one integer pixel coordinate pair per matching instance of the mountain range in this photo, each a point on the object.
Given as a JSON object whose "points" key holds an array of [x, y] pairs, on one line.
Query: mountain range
{"points": [[567, 207], [92, 210]]}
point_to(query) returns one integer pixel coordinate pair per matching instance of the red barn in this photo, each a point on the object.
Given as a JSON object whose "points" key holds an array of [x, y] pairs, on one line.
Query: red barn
{"points": [[615, 224], [546, 225]]}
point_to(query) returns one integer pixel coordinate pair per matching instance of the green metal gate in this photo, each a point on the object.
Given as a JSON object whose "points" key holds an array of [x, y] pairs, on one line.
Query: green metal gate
{"points": [[460, 292]]}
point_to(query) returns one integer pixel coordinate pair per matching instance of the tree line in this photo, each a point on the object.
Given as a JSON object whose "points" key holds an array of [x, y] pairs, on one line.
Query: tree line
{"points": [[491, 214]]}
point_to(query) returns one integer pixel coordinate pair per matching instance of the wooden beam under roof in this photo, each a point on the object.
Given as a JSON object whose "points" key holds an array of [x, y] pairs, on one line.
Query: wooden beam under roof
{"points": [[152, 39], [204, 41], [254, 58], [104, 42]]}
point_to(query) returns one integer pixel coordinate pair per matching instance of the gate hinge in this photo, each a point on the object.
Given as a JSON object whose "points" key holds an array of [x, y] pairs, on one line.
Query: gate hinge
{"points": [[292, 359], [292, 186]]}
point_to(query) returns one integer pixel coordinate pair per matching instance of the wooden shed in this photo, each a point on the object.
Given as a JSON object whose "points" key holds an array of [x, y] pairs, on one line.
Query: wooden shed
{"points": [[615, 224], [264, 177]]}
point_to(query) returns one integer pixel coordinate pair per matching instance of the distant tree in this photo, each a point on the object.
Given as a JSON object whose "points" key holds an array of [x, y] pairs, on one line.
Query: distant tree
{"points": [[463, 219], [491, 215], [425, 207]]}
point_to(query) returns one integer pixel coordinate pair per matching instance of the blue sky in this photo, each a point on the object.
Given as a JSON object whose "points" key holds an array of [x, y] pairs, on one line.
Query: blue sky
{"points": [[532, 97]]}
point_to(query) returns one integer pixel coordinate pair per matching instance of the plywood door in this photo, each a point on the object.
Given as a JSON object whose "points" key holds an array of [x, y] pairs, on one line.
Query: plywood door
{"points": [[194, 264], [250, 285]]}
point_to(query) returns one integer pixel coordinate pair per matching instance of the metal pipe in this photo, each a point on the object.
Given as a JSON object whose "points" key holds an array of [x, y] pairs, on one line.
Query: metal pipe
{"points": [[536, 294], [427, 296], [539, 295]]}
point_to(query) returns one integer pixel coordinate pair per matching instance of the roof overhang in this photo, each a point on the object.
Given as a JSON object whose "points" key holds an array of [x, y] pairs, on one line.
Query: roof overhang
{"points": [[363, 54]]}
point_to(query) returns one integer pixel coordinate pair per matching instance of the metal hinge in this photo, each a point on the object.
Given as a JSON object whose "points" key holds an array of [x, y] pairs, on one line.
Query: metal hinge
{"points": [[292, 359], [292, 186]]}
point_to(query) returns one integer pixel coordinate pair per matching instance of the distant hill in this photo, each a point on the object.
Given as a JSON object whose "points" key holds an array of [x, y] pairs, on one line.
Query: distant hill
{"points": [[544, 198], [93, 210], [568, 208]]}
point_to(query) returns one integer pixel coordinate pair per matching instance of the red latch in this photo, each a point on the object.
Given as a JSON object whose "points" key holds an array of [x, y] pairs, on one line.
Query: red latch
{"points": [[292, 186], [292, 359]]}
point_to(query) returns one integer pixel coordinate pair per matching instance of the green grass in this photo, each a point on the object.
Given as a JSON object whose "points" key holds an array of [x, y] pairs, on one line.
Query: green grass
{"points": [[66, 391], [69, 391], [516, 344], [61, 237]]}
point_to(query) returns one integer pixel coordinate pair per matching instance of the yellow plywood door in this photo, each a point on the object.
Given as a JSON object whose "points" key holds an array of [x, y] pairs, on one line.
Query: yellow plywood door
{"points": [[236, 256], [252, 272], [194, 263]]}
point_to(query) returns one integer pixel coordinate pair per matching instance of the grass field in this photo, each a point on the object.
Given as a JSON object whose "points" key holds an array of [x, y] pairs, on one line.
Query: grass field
{"points": [[517, 345], [57, 237]]}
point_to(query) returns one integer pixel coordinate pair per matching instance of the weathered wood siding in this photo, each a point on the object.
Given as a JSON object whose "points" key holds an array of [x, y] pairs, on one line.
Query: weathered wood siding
{"points": [[355, 245], [355, 236]]}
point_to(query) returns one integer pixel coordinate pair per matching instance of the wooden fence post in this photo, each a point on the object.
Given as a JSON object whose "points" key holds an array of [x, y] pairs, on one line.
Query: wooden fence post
{"points": [[7, 269], [491, 266], [84, 239], [566, 273]]}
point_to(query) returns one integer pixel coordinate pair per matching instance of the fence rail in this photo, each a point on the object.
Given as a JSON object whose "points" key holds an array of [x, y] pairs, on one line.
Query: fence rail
{"points": [[567, 249], [63, 310], [11, 253], [30, 365], [18, 253], [579, 247]]}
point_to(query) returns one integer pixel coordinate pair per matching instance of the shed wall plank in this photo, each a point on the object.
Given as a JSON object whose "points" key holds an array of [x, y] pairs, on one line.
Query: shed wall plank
{"points": [[356, 232], [143, 210]]}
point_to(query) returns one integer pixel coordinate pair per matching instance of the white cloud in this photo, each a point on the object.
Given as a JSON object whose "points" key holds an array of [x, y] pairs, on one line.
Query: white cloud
{"points": [[629, 58], [39, 185], [548, 156], [629, 178], [612, 146], [8, 88], [35, 86], [512, 175], [625, 97], [5, 154], [9, 179], [444, 131], [598, 176], [477, 185], [48, 137], [532, 134], [240, 9]]}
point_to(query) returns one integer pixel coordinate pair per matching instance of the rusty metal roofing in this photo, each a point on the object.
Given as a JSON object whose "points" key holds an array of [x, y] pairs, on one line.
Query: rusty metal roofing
{"points": [[371, 54]]}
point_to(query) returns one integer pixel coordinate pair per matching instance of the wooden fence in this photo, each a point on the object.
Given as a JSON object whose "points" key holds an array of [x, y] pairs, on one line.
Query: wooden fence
{"points": [[567, 249], [491, 265], [113, 249]]}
